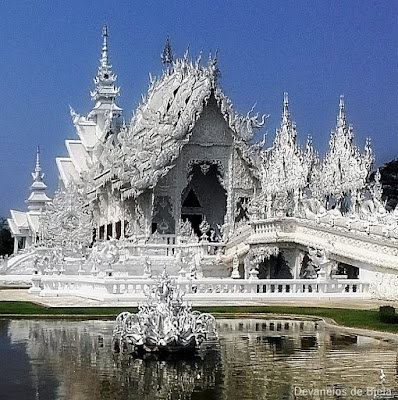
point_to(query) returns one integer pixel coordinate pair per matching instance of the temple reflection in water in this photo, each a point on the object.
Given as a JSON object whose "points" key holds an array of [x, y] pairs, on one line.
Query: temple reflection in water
{"points": [[255, 359]]}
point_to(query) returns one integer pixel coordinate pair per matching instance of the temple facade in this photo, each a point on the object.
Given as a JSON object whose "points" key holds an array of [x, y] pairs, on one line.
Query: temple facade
{"points": [[184, 186]]}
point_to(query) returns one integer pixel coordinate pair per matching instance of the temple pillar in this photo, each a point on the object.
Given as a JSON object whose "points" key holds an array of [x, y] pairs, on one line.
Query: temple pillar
{"points": [[230, 195], [15, 245], [246, 266], [177, 199]]}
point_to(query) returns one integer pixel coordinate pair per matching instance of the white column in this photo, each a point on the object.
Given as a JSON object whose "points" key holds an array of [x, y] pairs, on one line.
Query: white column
{"points": [[15, 245], [230, 192]]}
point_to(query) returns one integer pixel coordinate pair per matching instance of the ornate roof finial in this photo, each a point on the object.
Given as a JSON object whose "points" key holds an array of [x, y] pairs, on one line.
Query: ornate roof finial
{"points": [[105, 89], [167, 54], [38, 197], [38, 159], [104, 58], [285, 115], [309, 145], [341, 117], [368, 146], [36, 175]]}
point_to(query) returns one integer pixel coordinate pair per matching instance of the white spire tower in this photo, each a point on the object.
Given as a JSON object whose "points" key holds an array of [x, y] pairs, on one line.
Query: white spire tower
{"points": [[105, 92], [38, 197]]}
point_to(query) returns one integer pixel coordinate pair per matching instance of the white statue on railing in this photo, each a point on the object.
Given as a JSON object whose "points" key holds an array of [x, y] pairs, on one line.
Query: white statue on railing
{"points": [[106, 254], [235, 267], [325, 267], [163, 324]]}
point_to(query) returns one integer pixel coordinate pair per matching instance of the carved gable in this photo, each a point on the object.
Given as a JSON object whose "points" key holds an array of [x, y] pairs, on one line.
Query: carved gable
{"points": [[211, 128]]}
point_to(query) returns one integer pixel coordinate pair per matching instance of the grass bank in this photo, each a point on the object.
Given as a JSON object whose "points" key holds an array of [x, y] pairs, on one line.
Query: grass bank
{"points": [[363, 319]]}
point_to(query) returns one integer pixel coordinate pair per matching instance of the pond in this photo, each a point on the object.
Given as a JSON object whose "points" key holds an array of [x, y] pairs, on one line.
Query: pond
{"points": [[254, 359]]}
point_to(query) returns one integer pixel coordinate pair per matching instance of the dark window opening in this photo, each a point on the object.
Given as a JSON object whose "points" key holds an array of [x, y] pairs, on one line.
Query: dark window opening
{"points": [[191, 200], [118, 229], [109, 231]]}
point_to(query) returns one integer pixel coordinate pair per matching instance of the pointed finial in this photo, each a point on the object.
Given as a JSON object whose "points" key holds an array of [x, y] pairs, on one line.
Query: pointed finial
{"points": [[285, 115], [167, 54], [368, 147], [37, 175], [105, 79], [309, 145], [341, 104], [104, 58], [341, 117], [186, 55], [38, 160]]}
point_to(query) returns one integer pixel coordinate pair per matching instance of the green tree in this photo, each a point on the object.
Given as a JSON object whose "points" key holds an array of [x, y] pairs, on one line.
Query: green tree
{"points": [[389, 181], [6, 241]]}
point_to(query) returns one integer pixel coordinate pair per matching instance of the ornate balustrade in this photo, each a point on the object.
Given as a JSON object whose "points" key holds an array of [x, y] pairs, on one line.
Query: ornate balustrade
{"points": [[360, 228], [170, 248], [352, 242], [225, 289]]}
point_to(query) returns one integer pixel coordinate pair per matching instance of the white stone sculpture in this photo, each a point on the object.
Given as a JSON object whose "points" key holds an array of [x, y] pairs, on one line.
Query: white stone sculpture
{"points": [[324, 267], [235, 267], [105, 254], [163, 324], [66, 222]]}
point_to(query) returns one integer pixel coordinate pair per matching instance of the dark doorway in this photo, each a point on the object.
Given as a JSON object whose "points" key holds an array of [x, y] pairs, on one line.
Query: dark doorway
{"points": [[204, 197]]}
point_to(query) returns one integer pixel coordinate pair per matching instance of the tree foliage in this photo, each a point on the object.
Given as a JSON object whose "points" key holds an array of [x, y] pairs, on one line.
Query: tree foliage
{"points": [[389, 181], [6, 241]]}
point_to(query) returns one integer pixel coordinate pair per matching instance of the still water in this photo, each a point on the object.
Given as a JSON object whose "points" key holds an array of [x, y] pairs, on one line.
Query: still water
{"points": [[254, 359]]}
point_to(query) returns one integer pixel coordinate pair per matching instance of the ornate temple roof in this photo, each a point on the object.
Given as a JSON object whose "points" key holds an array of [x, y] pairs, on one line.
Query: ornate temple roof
{"points": [[286, 166], [146, 149], [344, 169], [134, 156]]}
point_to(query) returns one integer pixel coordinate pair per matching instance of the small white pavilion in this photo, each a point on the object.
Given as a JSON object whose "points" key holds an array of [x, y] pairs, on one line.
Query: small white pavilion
{"points": [[24, 225]]}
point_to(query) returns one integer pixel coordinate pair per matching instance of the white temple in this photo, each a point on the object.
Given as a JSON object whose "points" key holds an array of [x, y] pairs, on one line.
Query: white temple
{"points": [[24, 226], [184, 187]]}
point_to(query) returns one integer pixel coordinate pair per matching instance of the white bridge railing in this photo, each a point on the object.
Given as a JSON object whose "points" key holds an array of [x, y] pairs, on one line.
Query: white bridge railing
{"points": [[126, 288], [169, 248]]}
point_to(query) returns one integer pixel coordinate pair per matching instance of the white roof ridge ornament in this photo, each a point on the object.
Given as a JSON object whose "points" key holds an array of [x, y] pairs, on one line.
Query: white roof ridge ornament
{"points": [[341, 119], [167, 54]]}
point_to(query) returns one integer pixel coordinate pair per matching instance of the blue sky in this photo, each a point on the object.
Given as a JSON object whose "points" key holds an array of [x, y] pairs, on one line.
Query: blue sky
{"points": [[315, 50]]}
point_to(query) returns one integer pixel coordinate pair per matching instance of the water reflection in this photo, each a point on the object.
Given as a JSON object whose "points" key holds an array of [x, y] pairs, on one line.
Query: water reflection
{"points": [[255, 359]]}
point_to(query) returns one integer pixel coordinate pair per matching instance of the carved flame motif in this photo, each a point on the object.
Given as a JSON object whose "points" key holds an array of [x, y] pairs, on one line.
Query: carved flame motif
{"points": [[163, 324]]}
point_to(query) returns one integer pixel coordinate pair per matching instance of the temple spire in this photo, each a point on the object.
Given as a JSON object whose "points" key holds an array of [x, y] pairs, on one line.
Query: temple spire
{"points": [[105, 90], [167, 54], [38, 197], [104, 58], [36, 175], [341, 122], [285, 114]]}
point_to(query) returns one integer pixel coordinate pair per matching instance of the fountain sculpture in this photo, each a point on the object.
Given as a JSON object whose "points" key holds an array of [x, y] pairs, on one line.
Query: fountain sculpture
{"points": [[163, 324]]}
